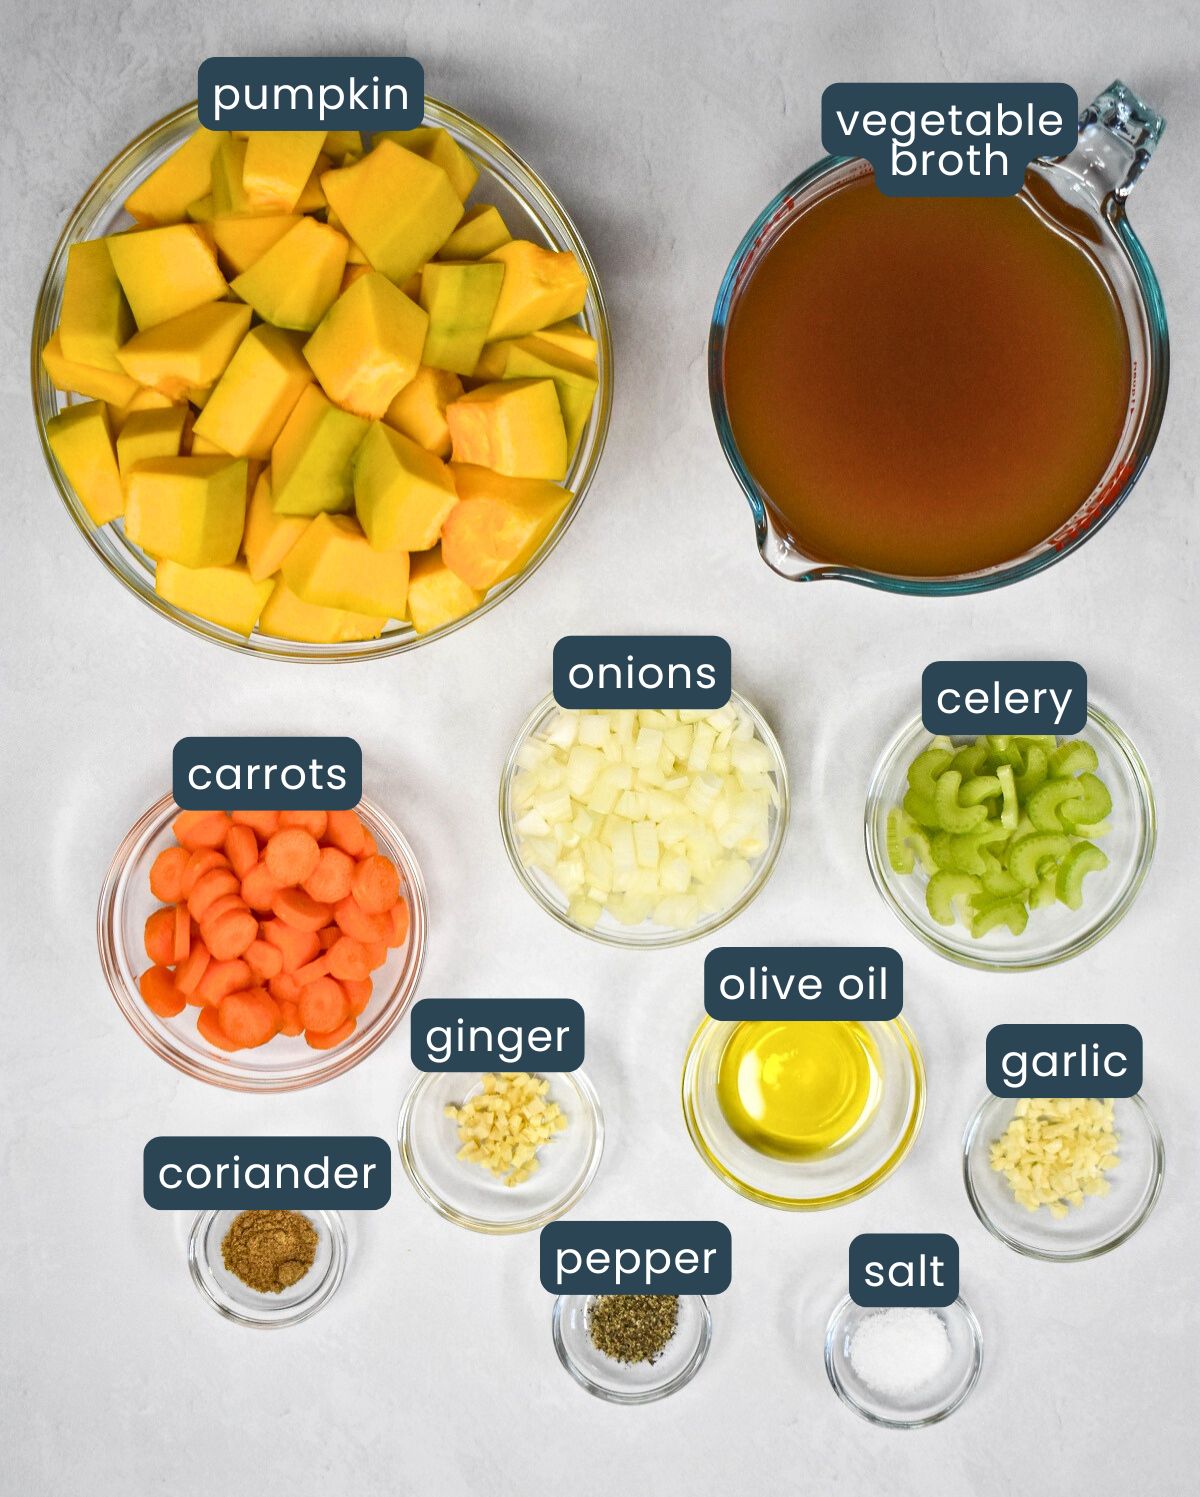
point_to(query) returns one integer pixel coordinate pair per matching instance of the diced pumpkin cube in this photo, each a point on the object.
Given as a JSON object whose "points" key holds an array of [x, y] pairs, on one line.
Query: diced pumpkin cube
{"points": [[82, 379], [573, 337], [187, 509], [165, 272], [341, 145], [440, 147], [228, 595], [460, 299], [402, 493], [397, 206], [436, 595], [268, 537], [334, 566], [368, 345], [150, 434], [540, 286], [142, 400], [203, 210], [187, 352], [419, 411], [514, 427], [313, 199], [288, 617], [277, 166], [480, 231], [295, 282], [81, 439], [228, 192], [183, 177], [242, 241], [95, 318], [575, 378], [257, 393], [312, 464], [354, 273], [498, 524]]}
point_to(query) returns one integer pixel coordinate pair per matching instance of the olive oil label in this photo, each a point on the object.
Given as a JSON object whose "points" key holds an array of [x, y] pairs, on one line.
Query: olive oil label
{"points": [[689, 672], [310, 93], [963, 698], [949, 139], [803, 982], [266, 774], [904, 1268], [1064, 1060], [636, 1257], [286, 1174], [496, 1034]]}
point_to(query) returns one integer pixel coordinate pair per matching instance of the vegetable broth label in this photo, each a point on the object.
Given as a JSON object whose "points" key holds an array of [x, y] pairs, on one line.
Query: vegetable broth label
{"points": [[964, 698], [803, 982], [610, 1257], [285, 1174], [653, 671], [904, 1268], [267, 774], [1064, 1060], [949, 139], [496, 1034], [310, 93]]}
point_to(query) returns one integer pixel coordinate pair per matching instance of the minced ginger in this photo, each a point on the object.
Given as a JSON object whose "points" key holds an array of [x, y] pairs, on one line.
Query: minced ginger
{"points": [[504, 1126], [1056, 1151]]}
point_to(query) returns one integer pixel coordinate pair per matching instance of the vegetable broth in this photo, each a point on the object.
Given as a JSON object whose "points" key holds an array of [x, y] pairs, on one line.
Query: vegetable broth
{"points": [[925, 386]]}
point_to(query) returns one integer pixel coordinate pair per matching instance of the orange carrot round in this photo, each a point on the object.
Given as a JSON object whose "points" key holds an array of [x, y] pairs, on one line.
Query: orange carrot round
{"points": [[313, 822], [263, 959], [323, 1005], [299, 910], [377, 954], [400, 922], [223, 905], [369, 849], [322, 1041], [297, 946], [262, 823], [183, 934], [348, 960], [241, 848], [229, 935], [162, 997], [358, 995], [329, 936], [198, 864], [291, 856], [208, 1022], [311, 971], [284, 988], [354, 921], [344, 830], [196, 829], [289, 1019], [259, 888], [250, 1017], [375, 884], [166, 874], [222, 977], [330, 879], [192, 969], [159, 937], [209, 887]]}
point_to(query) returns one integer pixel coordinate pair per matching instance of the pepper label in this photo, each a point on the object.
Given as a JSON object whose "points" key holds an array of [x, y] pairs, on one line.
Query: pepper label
{"points": [[636, 1257]]}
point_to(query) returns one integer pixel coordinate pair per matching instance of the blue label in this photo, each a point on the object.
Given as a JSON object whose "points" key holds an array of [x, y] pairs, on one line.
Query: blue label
{"points": [[803, 982], [496, 1034], [904, 1268], [636, 1257], [287, 1174], [617, 671], [310, 93], [266, 774], [967, 697], [1064, 1060]]}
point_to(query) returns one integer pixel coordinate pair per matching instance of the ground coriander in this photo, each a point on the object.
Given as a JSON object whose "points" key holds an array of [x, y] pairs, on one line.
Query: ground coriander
{"points": [[633, 1327], [269, 1250]]}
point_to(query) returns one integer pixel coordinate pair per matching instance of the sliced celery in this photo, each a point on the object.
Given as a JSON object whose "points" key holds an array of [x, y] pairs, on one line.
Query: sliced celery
{"points": [[1029, 853], [1045, 891], [1071, 759], [942, 848], [1010, 912], [1001, 884], [1037, 765], [1011, 812], [921, 807], [1094, 805], [898, 851], [925, 769], [970, 759], [952, 816], [1084, 858], [943, 889], [1043, 805], [966, 848], [979, 788]]}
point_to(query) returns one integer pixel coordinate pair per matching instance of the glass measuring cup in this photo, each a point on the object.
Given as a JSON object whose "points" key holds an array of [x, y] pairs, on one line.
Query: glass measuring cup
{"points": [[1083, 194]]}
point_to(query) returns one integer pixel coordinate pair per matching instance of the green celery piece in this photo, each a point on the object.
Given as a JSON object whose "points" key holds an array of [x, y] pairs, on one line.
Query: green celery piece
{"points": [[952, 816], [1083, 858], [1045, 892], [943, 889], [918, 840], [1072, 758], [1043, 805], [942, 742], [970, 759], [1094, 805], [979, 788], [921, 808], [1092, 830], [898, 851], [926, 767], [1046, 741], [1037, 764], [1001, 884], [1003, 749], [1010, 912], [967, 848], [942, 851], [1011, 810], [1028, 854]]}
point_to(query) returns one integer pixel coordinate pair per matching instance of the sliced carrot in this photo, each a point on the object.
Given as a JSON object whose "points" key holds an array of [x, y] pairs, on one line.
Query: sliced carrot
{"points": [[330, 936], [289, 1020], [263, 824], [250, 1017], [368, 845], [192, 969], [160, 937], [195, 829], [183, 934], [323, 1005], [354, 921], [208, 1022], [358, 995], [166, 874], [311, 971], [400, 922], [228, 936], [348, 960], [263, 959], [162, 997], [241, 848], [297, 946], [344, 831], [377, 954], [330, 879], [291, 856], [259, 888], [220, 906], [313, 822], [284, 988], [209, 887], [221, 978], [333, 1038], [375, 884], [198, 864], [297, 909]]}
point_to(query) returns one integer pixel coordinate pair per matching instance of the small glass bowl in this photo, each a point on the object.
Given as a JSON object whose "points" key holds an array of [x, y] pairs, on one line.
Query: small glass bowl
{"points": [[284, 1064], [624, 1382], [608, 930], [830, 1179], [236, 1301], [467, 1194], [531, 211], [1054, 933], [936, 1401], [1101, 1223]]}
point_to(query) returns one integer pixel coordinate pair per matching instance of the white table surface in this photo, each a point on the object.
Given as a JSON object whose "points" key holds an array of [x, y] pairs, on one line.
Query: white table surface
{"points": [[664, 127]]}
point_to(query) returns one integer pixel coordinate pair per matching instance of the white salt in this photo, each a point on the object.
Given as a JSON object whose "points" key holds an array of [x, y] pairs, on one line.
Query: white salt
{"points": [[899, 1351]]}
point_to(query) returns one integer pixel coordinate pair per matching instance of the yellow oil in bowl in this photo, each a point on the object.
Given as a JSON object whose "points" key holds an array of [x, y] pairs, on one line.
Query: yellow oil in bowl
{"points": [[798, 1090]]}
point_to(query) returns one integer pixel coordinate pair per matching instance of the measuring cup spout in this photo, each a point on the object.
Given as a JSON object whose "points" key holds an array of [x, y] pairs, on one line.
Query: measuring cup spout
{"points": [[1117, 136]]}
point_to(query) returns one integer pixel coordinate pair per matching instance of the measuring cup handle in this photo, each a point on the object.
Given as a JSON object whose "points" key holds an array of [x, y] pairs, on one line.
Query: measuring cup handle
{"points": [[1117, 137]]}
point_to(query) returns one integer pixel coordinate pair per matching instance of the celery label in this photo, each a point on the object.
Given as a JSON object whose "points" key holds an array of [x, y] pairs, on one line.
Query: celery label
{"points": [[967, 697]]}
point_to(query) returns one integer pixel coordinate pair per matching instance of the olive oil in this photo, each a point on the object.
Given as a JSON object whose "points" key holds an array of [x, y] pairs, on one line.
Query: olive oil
{"points": [[797, 1090]]}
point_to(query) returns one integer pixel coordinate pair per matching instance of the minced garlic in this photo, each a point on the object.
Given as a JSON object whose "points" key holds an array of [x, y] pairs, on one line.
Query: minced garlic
{"points": [[1056, 1151], [504, 1126]]}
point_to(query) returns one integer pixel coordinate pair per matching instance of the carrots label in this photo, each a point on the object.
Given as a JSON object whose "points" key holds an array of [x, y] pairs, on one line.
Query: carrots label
{"points": [[497, 1034], [258, 774], [282, 1174]]}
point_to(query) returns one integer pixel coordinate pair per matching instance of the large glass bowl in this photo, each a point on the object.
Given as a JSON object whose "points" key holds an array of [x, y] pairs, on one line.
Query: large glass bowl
{"points": [[531, 211], [284, 1064]]}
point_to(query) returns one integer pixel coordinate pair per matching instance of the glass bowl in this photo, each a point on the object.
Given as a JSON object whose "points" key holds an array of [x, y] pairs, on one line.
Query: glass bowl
{"points": [[471, 1197], [830, 1179], [284, 1064], [236, 1301], [1054, 933], [624, 1382], [1101, 1223], [937, 1400], [531, 211], [609, 931]]}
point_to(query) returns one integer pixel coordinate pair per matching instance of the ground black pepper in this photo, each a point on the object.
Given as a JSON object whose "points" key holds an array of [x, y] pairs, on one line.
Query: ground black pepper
{"points": [[633, 1327]]}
